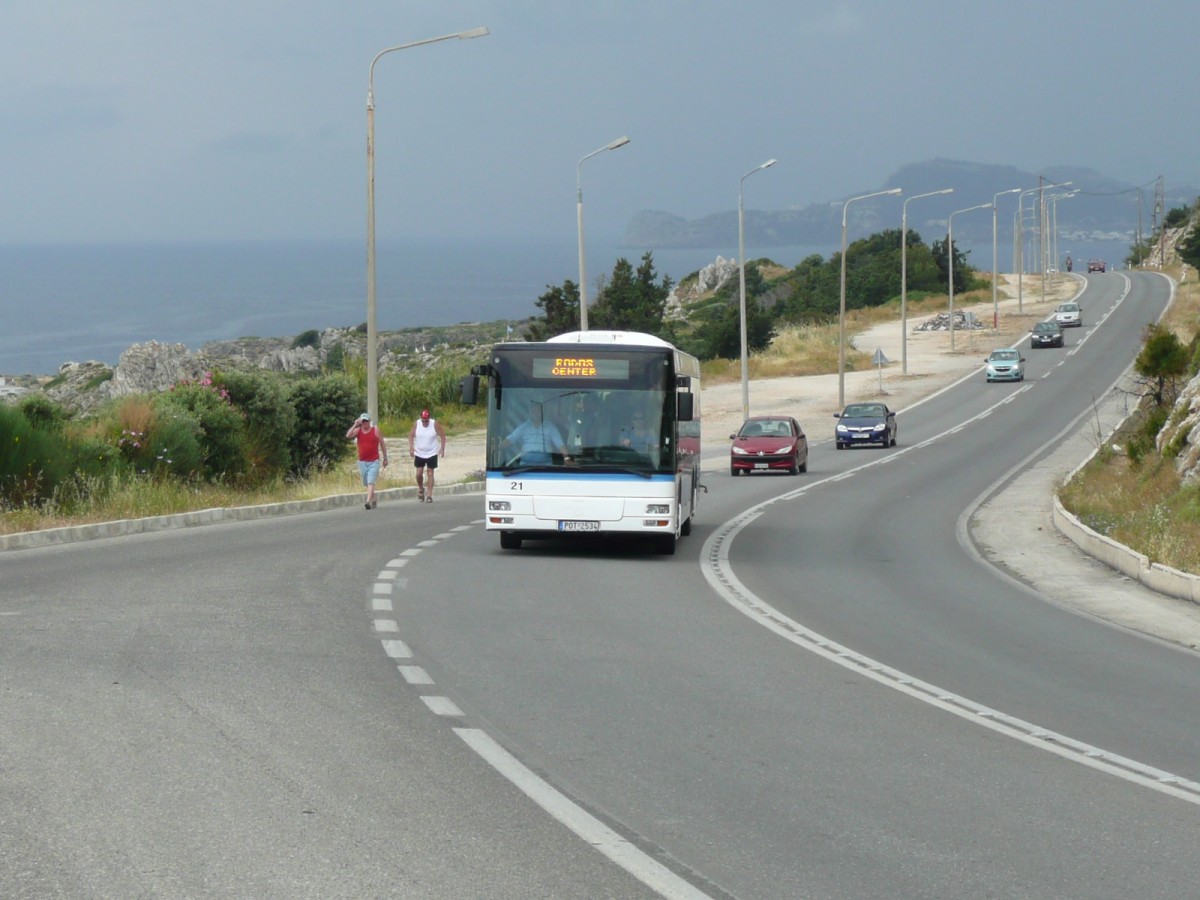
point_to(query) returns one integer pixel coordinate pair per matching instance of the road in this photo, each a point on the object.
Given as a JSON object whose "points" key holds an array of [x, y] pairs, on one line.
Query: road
{"points": [[825, 693]]}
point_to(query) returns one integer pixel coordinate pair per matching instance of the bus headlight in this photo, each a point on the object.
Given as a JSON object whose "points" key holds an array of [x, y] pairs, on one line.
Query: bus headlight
{"points": [[499, 505], [658, 509]]}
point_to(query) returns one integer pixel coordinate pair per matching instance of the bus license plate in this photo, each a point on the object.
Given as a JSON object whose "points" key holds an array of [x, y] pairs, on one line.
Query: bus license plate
{"points": [[571, 525]]}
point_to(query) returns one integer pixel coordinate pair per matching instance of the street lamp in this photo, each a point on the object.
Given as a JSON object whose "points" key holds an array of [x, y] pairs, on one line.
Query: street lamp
{"points": [[950, 260], [1018, 239], [742, 292], [613, 145], [1054, 198], [904, 274], [995, 276], [372, 333], [842, 298]]}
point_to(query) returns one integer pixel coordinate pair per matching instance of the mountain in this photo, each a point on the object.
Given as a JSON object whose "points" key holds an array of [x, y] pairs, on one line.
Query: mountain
{"points": [[1104, 207]]}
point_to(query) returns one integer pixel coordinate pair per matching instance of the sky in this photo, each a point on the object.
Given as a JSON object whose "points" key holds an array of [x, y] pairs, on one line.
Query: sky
{"points": [[136, 120]]}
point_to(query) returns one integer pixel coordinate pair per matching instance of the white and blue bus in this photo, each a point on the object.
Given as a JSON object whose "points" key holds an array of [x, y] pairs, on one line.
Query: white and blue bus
{"points": [[590, 433]]}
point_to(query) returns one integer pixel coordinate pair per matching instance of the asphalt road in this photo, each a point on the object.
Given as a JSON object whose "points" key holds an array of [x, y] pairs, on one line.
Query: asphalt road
{"points": [[823, 694]]}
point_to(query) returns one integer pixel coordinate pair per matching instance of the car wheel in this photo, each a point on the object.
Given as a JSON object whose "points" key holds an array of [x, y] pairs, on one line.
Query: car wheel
{"points": [[510, 541], [804, 465], [794, 468], [733, 470], [665, 545]]}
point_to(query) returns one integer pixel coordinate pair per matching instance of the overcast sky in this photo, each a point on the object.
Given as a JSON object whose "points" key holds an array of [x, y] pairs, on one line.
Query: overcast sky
{"points": [[232, 119]]}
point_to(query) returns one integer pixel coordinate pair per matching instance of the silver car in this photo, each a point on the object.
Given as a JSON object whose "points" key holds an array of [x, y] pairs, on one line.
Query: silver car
{"points": [[1068, 315], [1005, 365]]}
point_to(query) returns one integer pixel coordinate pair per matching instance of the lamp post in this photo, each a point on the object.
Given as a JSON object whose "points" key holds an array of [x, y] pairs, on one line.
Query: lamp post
{"points": [[1054, 198], [1019, 237], [950, 260], [372, 333], [742, 289], [904, 274], [995, 276], [842, 297], [583, 302]]}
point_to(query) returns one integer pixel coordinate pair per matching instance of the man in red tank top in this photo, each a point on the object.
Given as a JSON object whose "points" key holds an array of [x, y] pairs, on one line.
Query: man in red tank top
{"points": [[372, 452]]}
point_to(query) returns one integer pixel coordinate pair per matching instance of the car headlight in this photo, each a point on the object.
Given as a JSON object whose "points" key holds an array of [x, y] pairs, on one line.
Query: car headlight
{"points": [[739, 451], [842, 429], [786, 448], [879, 427]]}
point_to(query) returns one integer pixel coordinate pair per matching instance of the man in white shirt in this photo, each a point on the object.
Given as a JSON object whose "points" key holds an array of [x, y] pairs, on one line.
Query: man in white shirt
{"points": [[426, 441]]}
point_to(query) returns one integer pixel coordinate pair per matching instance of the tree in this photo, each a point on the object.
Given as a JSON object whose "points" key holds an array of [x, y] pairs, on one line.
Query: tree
{"points": [[632, 300], [963, 273], [1163, 360], [560, 307]]}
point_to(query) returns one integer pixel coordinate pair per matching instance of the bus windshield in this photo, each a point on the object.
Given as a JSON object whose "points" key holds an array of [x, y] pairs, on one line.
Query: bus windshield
{"points": [[603, 409]]}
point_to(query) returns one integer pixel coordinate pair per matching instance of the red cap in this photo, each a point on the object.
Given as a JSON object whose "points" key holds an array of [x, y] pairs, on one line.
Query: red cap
{"points": [[424, 414]]}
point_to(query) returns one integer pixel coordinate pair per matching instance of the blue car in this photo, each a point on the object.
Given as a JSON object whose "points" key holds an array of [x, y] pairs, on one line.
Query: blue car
{"points": [[1005, 365], [865, 423]]}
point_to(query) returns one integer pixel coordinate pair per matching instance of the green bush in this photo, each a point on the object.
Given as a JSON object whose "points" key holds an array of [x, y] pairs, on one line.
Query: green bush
{"points": [[324, 408], [270, 418], [43, 413], [222, 426], [175, 445], [32, 463]]}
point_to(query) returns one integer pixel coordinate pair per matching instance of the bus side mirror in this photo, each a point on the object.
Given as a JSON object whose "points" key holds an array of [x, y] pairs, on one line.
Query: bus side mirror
{"points": [[684, 407], [470, 389]]}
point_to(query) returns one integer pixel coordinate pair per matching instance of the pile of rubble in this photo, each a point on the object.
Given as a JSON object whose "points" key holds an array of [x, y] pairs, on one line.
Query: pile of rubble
{"points": [[963, 321]]}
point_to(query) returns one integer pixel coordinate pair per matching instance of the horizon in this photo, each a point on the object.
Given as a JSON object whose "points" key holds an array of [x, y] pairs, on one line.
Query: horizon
{"points": [[189, 124]]}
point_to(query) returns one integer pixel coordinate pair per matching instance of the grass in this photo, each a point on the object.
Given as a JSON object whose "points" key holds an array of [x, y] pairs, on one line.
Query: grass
{"points": [[1141, 501]]}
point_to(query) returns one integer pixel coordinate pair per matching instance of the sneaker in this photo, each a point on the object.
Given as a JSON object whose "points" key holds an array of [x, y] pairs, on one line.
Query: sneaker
{"points": [[366, 505], [374, 503], [420, 496], [429, 499]]}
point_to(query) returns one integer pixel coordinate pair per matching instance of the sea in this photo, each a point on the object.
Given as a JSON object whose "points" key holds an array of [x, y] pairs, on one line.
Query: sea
{"points": [[64, 303]]}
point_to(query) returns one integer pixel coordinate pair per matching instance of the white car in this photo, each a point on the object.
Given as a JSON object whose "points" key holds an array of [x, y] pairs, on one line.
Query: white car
{"points": [[1068, 315]]}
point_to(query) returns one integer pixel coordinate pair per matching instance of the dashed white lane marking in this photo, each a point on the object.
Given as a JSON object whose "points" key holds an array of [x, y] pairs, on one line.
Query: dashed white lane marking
{"points": [[381, 587], [414, 675], [397, 649], [637, 863], [634, 861], [387, 575], [442, 706], [381, 604]]}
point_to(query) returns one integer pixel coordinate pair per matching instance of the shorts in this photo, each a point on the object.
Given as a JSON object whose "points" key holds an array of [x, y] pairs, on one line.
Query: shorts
{"points": [[430, 461], [369, 471]]}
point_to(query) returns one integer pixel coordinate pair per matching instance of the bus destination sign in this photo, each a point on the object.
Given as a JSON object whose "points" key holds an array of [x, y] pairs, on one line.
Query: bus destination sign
{"points": [[586, 367]]}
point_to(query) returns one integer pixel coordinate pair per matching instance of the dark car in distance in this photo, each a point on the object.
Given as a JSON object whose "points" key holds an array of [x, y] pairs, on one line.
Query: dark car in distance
{"points": [[1046, 334], [769, 443], [1096, 265], [865, 423]]}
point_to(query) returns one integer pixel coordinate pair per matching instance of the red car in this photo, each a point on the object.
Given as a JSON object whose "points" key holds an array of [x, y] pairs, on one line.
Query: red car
{"points": [[1096, 265], [769, 443]]}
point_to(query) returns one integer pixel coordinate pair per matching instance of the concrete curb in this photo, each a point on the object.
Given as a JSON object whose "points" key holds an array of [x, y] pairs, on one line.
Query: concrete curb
{"points": [[69, 534]]}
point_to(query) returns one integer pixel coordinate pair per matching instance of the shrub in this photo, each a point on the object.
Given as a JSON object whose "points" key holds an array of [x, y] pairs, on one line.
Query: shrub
{"points": [[324, 408], [42, 412], [31, 460], [222, 427], [310, 338], [270, 419]]}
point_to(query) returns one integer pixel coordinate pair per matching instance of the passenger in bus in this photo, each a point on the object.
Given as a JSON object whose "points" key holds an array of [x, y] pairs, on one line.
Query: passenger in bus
{"points": [[637, 436], [535, 440]]}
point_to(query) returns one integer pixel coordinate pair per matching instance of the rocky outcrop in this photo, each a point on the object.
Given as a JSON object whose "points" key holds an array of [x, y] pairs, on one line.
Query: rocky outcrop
{"points": [[707, 280], [1182, 432]]}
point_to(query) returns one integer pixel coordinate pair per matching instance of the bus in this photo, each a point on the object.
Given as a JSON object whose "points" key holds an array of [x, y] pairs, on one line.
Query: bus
{"points": [[590, 433]]}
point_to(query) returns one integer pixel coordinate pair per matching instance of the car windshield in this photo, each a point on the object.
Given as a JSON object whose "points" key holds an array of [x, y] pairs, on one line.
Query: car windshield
{"points": [[1045, 326], [1068, 307], [863, 410], [1004, 354]]}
